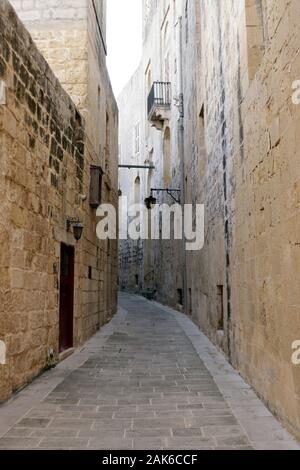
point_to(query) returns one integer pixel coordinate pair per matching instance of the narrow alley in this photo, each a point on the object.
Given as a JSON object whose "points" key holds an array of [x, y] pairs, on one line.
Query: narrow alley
{"points": [[149, 379], [149, 226]]}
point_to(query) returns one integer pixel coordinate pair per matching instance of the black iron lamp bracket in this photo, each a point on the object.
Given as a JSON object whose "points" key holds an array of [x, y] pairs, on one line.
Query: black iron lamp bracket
{"points": [[173, 193], [138, 167]]}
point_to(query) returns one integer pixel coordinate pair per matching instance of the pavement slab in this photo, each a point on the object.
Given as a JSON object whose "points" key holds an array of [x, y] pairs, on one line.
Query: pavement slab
{"points": [[148, 380]]}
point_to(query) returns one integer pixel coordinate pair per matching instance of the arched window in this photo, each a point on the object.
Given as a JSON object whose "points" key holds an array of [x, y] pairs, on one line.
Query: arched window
{"points": [[137, 190], [167, 157]]}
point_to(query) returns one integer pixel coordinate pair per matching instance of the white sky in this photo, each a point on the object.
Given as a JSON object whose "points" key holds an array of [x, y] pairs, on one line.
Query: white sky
{"points": [[124, 40]]}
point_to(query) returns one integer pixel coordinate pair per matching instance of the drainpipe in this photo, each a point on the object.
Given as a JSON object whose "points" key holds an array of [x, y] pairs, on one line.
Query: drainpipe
{"points": [[182, 160]]}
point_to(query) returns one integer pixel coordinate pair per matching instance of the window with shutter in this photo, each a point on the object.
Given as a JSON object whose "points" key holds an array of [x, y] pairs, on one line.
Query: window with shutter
{"points": [[96, 186]]}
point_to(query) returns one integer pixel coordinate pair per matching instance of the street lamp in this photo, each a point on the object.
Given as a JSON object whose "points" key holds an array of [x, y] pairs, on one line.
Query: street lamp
{"points": [[77, 228], [151, 201]]}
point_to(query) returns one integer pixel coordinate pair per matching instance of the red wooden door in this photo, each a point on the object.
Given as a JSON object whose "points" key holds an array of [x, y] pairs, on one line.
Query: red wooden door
{"points": [[66, 302]]}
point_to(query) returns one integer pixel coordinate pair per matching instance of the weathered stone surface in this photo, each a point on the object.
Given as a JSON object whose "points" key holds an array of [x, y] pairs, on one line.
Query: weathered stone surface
{"points": [[239, 61], [108, 351], [47, 146]]}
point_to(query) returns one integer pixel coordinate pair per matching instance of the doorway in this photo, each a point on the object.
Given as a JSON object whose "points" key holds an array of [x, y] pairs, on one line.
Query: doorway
{"points": [[66, 300]]}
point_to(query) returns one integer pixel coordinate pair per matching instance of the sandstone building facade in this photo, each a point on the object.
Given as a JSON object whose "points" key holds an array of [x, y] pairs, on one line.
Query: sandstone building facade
{"points": [[58, 153], [153, 266], [233, 149], [131, 180]]}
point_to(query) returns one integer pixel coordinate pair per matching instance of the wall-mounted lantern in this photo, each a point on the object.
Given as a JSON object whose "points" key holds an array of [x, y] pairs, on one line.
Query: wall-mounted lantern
{"points": [[77, 228], [151, 201]]}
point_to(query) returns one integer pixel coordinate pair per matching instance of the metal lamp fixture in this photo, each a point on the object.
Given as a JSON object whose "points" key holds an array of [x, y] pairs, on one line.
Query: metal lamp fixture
{"points": [[77, 228], [151, 201]]}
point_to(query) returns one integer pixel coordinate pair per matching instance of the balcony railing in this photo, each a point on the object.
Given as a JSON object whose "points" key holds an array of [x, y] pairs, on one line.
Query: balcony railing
{"points": [[159, 97]]}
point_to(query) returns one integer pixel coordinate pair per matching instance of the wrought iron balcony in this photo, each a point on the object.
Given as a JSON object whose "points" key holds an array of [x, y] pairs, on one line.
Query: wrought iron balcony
{"points": [[159, 103]]}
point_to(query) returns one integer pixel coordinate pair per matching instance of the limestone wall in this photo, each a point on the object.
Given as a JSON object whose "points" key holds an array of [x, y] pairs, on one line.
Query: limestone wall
{"points": [[160, 268], [243, 284], [265, 271], [239, 61], [161, 63], [72, 38], [132, 152], [46, 152]]}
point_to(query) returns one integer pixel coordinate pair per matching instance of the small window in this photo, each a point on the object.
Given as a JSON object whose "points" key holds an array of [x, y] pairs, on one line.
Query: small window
{"points": [[90, 272], [137, 190], [96, 186], [220, 290], [180, 296]]}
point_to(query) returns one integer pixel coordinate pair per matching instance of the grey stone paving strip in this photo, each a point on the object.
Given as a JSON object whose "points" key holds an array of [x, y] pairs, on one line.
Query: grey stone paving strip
{"points": [[148, 380], [29, 400], [263, 430]]}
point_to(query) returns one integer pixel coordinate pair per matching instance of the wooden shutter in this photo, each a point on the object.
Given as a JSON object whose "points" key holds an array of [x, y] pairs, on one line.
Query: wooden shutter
{"points": [[96, 186]]}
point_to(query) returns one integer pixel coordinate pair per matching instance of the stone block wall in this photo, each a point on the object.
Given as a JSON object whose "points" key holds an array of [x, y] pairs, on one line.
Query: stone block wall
{"points": [[157, 263], [45, 156], [265, 237], [131, 269], [240, 59], [163, 259], [245, 152], [72, 38]]}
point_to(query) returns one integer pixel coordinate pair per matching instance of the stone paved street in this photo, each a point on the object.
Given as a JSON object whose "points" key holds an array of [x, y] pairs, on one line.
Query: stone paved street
{"points": [[148, 380]]}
